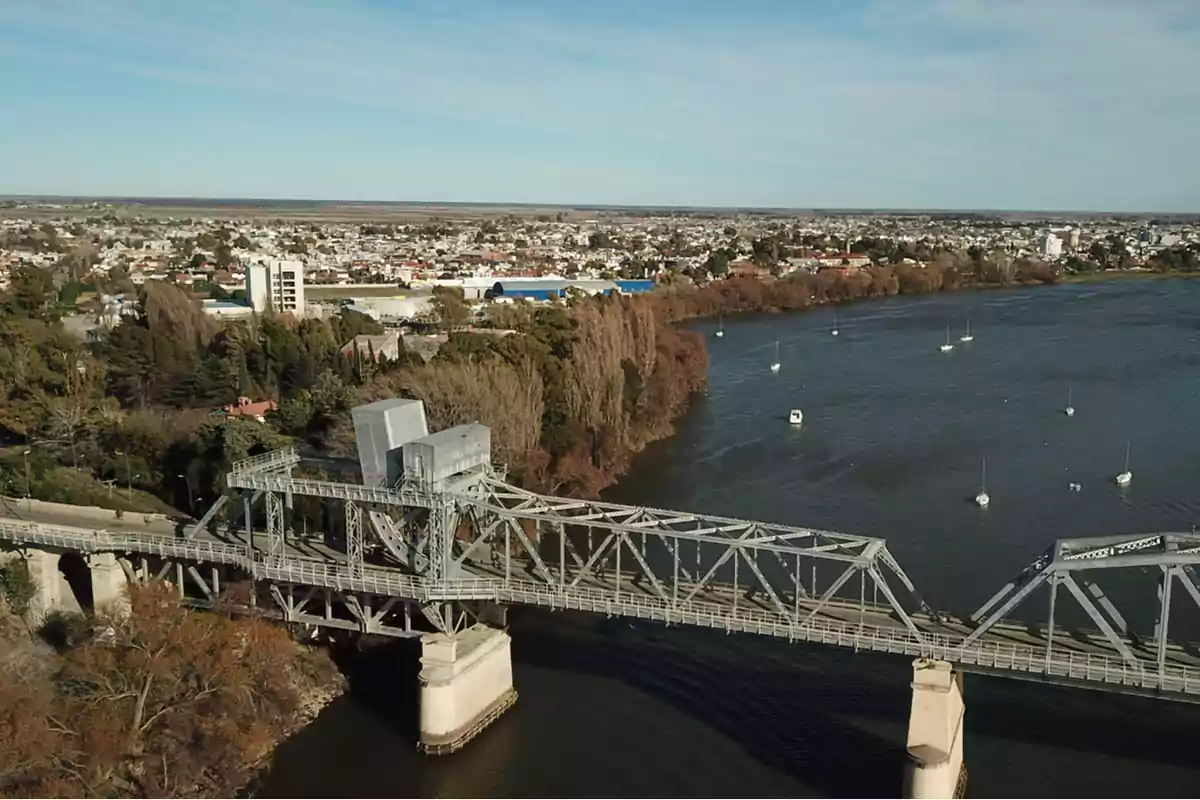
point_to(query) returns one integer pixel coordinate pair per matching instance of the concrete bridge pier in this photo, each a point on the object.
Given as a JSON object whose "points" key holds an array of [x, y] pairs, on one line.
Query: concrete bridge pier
{"points": [[51, 590], [99, 582], [935, 732], [466, 684], [110, 586]]}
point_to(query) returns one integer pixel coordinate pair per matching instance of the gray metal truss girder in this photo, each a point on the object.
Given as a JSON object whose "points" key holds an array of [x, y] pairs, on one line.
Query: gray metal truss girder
{"points": [[881, 581], [829, 593], [1069, 581], [354, 536], [1106, 604], [1141, 559], [514, 526], [1018, 584], [1014, 599], [509, 501], [275, 525], [766, 585], [200, 525], [1187, 577], [201, 583], [1163, 625], [641, 560]]}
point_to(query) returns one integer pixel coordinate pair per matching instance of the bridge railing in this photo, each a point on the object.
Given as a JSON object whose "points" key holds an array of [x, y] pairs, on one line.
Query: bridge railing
{"points": [[988, 654], [991, 653], [274, 460], [329, 489], [119, 541]]}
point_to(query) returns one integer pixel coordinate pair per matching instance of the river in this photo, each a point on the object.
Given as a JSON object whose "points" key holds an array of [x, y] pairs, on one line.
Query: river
{"points": [[893, 438]]}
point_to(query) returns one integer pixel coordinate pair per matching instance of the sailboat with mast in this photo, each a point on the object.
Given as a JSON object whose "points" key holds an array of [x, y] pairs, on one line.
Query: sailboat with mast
{"points": [[947, 347], [834, 331], [982, 499], [720, 326], [775, 363], [1070, 409], [967, 337], [1126, 477]]}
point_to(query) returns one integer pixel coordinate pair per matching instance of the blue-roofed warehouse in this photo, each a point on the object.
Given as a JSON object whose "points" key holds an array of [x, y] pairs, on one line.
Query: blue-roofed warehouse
{"points": [[548, 288], [635, 287]]}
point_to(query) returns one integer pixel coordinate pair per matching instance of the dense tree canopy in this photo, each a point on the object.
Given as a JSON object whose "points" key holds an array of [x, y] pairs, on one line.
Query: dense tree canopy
{"points": [[164, 703]]}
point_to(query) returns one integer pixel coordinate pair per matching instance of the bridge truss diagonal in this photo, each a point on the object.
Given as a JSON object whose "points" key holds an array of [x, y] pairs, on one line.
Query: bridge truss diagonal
{"points": [[676, 558], [1076, 565]]}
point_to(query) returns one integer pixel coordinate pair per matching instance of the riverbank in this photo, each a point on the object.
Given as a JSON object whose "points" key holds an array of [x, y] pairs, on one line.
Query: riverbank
{"points": [[632, 370], [1126, 275]]}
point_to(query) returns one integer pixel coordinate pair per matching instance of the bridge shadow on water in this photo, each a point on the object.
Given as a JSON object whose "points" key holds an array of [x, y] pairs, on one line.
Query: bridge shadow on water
{"points": [[698, 708]]}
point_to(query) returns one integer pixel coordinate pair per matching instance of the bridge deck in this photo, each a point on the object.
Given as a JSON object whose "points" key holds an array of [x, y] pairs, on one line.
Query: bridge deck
{"points": [[1086, 658]]}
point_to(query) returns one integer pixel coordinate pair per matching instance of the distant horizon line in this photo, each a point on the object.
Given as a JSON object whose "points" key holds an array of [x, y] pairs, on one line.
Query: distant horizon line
{"points": [[168, 201]]}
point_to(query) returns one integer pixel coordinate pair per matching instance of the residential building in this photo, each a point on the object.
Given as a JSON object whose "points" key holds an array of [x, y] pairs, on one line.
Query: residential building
{"points": [[245, 407], [276, 284], [1050, 246]]}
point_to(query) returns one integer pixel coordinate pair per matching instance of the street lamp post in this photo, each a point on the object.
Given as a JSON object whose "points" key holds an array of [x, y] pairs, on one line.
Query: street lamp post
{"points": [[128, 474], [191, 499], [28, 483]]}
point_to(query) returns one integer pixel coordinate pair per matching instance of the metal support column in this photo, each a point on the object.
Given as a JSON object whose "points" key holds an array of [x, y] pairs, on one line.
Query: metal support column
{"points": [[275, 532], [1050, 622], [437, 539], [1164, 617], [354, 537]]}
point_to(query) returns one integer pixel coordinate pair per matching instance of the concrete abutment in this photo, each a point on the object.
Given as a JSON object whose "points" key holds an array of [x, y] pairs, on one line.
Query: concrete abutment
{"points": [[935, 732], [466, 684], [105, 587]]}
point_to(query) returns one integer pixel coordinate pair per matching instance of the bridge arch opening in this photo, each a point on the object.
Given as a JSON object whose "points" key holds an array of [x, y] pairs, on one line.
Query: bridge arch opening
{"points": [[78, 575]]}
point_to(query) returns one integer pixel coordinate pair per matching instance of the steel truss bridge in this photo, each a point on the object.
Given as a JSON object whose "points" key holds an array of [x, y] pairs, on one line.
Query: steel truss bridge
{"points": [[408, 559]]}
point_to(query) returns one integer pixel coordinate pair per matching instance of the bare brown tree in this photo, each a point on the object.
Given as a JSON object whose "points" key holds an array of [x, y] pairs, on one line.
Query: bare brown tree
{"points": [[506, 398]]}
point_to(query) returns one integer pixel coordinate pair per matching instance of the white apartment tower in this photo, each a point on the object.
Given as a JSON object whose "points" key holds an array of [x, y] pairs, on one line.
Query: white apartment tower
{"points": [[276, 284], [1051, 246]]}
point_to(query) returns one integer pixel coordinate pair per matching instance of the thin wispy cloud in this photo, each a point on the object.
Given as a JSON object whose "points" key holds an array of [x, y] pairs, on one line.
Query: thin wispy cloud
{"points": [[1029, 103]]}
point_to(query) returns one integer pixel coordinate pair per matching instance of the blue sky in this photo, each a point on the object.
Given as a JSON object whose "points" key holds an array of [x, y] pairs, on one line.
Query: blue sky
{"points": [[1047, 104]]}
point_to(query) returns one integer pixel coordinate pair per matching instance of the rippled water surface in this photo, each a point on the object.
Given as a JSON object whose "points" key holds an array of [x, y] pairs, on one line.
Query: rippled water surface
{"points": [[892, 442]]}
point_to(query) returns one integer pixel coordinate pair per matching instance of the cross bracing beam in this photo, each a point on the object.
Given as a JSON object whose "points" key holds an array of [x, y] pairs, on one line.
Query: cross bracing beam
{"points": [[349, 611], [679, 558], [510, 501], [1071, 561]]}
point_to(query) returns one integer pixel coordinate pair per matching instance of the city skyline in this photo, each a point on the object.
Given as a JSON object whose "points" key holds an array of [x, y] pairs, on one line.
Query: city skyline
{"points": [[939, 104]]}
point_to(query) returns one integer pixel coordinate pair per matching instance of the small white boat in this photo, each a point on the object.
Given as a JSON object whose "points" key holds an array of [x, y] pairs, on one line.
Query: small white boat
{"points": [[982, 499], [720, 327], [834, 332], [1126, 477], [1070, 409], [775, 363], [796, 416], [967, 337], [947, 347]]}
